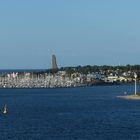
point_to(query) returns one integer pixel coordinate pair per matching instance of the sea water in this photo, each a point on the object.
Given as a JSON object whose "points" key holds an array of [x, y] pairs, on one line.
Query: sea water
{"points": [[86, 113]]}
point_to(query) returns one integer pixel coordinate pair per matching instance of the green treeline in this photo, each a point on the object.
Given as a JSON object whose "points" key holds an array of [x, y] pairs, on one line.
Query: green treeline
{"points": [[89, 69]]}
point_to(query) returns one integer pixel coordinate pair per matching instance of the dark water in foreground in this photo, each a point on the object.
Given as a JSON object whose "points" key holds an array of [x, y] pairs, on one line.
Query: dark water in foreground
{"points": [[69, 114]]}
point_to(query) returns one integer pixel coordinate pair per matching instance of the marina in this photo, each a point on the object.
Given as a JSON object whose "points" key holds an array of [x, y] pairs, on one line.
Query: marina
{"points": [[38, 81]]}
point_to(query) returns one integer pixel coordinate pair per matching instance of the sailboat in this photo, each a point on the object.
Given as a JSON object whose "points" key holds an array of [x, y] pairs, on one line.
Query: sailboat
{"points": [[5, 109]]}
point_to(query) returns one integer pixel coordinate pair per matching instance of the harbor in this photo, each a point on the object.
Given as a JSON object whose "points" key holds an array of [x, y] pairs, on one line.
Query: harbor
{"points": [[45, 80]]}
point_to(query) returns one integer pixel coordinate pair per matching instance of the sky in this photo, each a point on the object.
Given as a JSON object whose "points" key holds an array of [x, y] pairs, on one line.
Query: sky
{"points": [[78, 32]]}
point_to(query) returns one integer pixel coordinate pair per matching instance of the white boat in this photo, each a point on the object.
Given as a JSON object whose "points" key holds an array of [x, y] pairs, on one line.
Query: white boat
{"points": [[5, 109]]}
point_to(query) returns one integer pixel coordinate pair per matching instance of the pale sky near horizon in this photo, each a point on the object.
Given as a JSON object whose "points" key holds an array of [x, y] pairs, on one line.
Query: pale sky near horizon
{"points": [[78, 32]]}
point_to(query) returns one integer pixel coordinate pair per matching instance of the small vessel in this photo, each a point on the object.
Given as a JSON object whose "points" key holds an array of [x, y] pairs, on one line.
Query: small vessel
{"points": [[5, 109]]}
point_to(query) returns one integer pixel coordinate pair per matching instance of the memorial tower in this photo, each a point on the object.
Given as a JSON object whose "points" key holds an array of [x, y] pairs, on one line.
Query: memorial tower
{"points": [[54, 64]]}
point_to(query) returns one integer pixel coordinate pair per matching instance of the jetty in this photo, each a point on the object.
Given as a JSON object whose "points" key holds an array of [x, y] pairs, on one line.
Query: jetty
{"points": [[130, 97]]}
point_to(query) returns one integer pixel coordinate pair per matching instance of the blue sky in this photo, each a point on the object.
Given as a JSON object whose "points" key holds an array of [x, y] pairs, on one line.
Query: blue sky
{"points": [[78, 32]]}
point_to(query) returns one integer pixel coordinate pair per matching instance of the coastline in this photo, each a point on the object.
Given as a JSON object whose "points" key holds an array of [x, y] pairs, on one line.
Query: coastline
{"points": [[130, 97]]}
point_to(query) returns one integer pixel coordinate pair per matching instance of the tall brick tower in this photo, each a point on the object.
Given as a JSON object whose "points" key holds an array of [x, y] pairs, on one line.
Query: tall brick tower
{"points": [[54, 64]]}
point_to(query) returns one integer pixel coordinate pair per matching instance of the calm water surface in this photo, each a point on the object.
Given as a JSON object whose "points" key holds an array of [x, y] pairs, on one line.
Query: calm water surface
{"points": [[69, 114]]}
